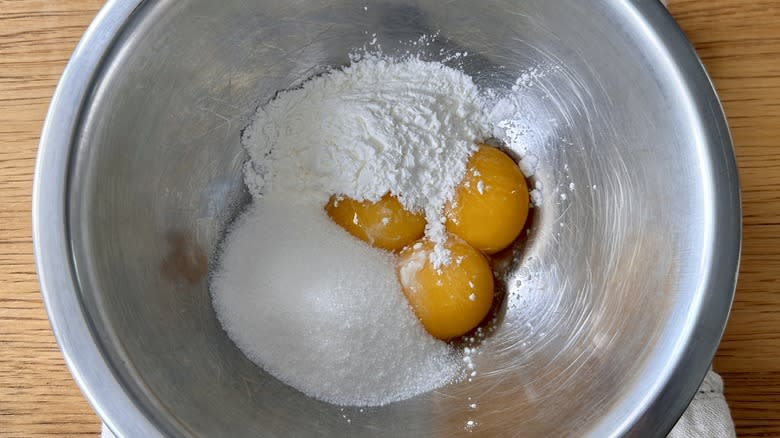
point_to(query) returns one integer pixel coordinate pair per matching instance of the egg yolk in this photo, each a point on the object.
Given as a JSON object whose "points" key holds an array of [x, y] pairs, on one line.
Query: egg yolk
{"points": [[384, 224], [452, 299], [490, 205]]}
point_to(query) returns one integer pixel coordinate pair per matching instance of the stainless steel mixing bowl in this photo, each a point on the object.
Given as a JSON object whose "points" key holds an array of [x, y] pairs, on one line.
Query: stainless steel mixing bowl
{"points": [[616, 304]]}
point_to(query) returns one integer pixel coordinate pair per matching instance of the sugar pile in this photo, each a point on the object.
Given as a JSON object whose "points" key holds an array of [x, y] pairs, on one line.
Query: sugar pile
{"points": [[322, 311]]}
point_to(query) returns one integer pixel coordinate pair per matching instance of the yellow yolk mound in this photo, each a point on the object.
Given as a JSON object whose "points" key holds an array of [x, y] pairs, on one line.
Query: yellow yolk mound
{"points": [[490, 205], [384, 224], [453, 299]]}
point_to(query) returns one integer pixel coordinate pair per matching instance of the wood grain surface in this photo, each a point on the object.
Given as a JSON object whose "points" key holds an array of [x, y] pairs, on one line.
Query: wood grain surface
{"points": [[738, 40]]}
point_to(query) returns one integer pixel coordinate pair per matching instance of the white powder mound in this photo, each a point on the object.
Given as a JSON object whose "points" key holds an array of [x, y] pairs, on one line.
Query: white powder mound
{"points": [[379, 125], [321, 310]]}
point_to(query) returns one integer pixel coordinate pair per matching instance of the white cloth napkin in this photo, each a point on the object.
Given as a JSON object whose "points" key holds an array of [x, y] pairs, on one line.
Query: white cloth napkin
{"points": [[708, 414]]}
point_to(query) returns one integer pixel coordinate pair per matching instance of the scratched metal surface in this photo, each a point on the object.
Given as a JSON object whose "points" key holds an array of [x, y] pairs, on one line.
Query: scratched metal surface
{"points": [[614, 302]]}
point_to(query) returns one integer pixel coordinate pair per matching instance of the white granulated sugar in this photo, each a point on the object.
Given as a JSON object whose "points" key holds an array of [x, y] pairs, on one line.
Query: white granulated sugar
{"points": [[379, 125], [323, 311]]}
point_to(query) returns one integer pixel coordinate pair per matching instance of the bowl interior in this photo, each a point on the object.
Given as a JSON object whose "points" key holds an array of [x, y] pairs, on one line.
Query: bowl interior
{"points": [[600, 297]]}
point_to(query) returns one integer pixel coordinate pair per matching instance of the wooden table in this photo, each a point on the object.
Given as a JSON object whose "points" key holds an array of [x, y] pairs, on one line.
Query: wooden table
{"points": [[738, 40]]}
